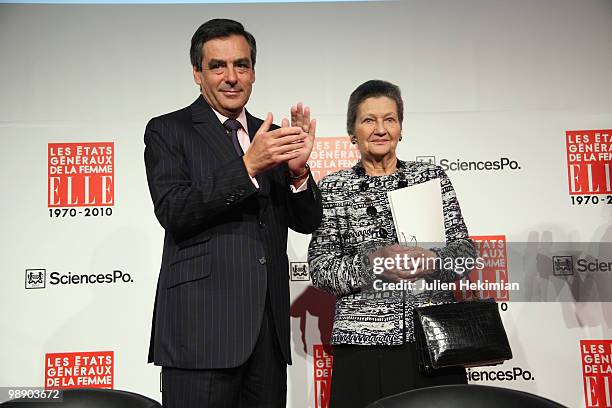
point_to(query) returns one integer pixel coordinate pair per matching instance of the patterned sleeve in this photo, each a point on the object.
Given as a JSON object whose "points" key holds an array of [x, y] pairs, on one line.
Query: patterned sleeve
{"points": [[333, 268], [458, 243]]}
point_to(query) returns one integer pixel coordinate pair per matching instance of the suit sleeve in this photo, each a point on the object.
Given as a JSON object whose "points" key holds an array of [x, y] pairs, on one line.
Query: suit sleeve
{"points": [[305, 208], [184, 206]]}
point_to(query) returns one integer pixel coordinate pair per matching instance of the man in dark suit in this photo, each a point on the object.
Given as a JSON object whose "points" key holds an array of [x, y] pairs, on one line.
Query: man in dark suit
{"points": [[221, 316]]}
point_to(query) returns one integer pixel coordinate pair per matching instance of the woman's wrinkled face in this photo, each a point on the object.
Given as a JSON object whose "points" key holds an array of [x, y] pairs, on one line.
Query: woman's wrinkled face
{"points": [[377, 128]]}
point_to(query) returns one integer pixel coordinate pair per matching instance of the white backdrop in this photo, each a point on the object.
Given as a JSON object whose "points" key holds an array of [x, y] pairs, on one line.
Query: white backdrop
{"points": [[481, 80]]}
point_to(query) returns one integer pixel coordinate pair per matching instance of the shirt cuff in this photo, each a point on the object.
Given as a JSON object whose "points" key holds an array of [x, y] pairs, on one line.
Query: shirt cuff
{"points": [[254, 181], [301, 188]]}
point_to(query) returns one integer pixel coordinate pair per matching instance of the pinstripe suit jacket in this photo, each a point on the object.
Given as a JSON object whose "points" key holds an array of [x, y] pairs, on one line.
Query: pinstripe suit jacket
{"points": [[225, 241]]}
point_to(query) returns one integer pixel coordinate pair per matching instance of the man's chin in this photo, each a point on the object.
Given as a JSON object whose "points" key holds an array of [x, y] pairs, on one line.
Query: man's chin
{"points": [[234, 104], [232, 111]]}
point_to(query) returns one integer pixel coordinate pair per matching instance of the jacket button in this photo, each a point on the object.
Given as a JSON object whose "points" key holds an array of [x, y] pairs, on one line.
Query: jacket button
{"points": [[383, 232], [262, 260], [402, 184], [363, 186]]}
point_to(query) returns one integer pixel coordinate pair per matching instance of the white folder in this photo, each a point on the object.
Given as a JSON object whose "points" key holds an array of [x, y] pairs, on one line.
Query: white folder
{"points": [[417, 213]]}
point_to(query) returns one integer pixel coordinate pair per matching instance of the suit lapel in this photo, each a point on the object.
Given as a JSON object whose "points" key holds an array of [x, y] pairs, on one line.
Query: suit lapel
{"points": [[208, 126], [212, 131]]}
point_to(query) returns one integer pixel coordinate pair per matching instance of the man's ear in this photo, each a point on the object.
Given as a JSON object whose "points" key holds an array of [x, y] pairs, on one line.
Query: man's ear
{"points": [[196, 76]]}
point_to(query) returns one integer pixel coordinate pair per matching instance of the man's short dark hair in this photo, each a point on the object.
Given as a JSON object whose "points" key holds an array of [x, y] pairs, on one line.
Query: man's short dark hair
{"points": [[372, 89], [218, 28]]}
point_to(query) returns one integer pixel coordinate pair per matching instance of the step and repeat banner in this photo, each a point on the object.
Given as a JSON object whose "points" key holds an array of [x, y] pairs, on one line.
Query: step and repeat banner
{"points": [[512, 99]]}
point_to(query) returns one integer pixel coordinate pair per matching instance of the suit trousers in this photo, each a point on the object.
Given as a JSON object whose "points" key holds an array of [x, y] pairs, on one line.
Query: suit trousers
{"points": [[260, 382], [364, 374]]}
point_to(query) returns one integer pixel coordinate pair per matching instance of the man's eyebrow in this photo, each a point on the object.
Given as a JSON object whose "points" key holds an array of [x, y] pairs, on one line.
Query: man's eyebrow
{"points": [[215, 62], [242, 61]]}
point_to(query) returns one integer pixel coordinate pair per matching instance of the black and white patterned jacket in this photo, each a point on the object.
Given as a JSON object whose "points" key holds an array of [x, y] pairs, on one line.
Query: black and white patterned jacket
{"points": [[348, 232]]}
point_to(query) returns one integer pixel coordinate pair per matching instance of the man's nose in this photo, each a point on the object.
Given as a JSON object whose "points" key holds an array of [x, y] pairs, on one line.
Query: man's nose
{"points": [[230, 75]]}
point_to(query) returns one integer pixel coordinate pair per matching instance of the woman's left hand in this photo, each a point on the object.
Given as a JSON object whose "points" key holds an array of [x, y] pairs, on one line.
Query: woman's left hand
{"points": [[422, 261]]}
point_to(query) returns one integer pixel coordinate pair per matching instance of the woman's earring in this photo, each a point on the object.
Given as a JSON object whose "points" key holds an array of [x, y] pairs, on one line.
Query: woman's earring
{"points": [[353, 140], [400, 139]]}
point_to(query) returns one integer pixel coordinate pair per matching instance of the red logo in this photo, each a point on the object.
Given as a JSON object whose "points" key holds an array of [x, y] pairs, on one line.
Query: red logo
{"points": [[597, 372], [81, 174], [330, 154], [322, 376], [492, 250], [589, 155], [91, 369]]}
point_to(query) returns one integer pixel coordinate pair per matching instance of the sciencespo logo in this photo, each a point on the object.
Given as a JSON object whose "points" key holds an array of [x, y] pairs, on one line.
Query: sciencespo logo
{"points": [[493, 375], [299, 271], [501, 164], [565, 265], [37, 278]]}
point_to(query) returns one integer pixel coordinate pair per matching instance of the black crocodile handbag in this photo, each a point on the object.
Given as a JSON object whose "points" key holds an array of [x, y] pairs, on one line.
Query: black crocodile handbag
{"points": [[468, 334]]}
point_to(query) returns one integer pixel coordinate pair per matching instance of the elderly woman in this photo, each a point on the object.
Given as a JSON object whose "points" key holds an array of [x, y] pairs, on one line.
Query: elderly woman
{"points": [[373, 338]]}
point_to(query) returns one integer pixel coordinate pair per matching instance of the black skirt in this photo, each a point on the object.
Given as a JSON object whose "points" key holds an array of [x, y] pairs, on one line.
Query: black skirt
{"points": [[364, 374]]}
